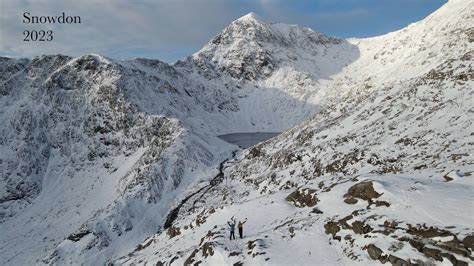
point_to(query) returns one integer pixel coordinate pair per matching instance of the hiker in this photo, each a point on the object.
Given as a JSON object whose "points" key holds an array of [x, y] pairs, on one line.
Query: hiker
{"points": [[241, 228], [231, 224]]}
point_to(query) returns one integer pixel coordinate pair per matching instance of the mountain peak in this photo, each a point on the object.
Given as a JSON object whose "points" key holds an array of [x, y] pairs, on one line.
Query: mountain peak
{"points": [[251, 48], [252, 16]]}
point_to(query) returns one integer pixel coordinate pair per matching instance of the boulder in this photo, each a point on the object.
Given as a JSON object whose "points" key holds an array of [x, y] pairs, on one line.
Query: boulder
{"points": [[374, 252], [363, 190]]}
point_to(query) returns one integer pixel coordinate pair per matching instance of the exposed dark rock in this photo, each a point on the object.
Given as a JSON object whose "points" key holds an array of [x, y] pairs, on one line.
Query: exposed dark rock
{"points": [[303, 197], [316, 210], [173, 259], [207, 249], [208, 236], [363, 190], [143, 245], [190, 260], [343, 222], [251, 244], [454, 247], [390, 224], [332, 228], [468, 242], [416, 244], [361, 228], [255, 152], [427, 232], [348, 159], [454, 260], [405, 141], [390, 227], [396, 261], [292, 231], [173, 231], [420, 167], [447, 178], [432, 253], [374, 252], [379, 203], [458, 156], [350, 200], [78, 235]]}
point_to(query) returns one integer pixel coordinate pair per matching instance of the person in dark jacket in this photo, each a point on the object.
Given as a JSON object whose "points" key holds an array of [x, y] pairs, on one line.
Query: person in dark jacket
{"points": [[231, 224], [241, 228]]}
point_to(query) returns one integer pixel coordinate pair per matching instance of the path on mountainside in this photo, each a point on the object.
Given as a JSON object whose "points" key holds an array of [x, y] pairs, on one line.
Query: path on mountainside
{"points": [[217, 179]]}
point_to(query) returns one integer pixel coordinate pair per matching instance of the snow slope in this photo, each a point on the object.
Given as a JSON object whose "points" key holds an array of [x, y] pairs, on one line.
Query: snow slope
{"points": [[107, 161], [383, 173]]}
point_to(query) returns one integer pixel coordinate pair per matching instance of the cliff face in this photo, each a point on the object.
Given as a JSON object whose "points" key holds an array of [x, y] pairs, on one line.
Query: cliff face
{"points": [[77, 150]]}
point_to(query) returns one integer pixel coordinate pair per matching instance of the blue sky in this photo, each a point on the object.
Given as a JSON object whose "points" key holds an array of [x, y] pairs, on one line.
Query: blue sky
{"points": [[172, 29]]}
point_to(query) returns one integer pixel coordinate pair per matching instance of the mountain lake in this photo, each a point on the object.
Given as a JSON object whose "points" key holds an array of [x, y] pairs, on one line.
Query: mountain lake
{"points": [[246, 140]]}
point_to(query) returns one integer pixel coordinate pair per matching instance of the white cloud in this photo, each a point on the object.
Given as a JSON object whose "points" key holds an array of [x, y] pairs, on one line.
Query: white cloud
{"points": [[114, 25]]}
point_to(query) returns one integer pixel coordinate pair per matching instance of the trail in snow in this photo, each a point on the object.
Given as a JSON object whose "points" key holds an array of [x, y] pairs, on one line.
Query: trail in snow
{"points": [[217, 179]]}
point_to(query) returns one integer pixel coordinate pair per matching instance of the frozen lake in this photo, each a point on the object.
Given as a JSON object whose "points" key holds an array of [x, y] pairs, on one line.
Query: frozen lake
{"points": [[245, 140]]}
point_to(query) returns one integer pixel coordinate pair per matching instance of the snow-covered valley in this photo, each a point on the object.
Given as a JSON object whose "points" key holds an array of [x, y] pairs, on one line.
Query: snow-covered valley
{"points": [[107, 161]]}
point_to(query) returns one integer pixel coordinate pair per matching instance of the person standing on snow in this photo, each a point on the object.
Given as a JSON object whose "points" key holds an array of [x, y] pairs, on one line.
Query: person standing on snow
{"points": [[241, 228], [231, 224]]}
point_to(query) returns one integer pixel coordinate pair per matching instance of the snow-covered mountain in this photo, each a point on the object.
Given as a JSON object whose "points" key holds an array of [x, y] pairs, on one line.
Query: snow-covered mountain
{"points": [[106, 161]]}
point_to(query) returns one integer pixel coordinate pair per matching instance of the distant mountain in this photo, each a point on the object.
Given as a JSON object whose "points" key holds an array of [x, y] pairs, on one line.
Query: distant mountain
{"points": [[106, 161], [252, 49]]}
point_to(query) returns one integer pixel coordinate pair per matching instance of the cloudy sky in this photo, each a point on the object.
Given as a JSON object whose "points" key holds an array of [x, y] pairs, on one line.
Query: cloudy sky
{"points": [[171, 29]]}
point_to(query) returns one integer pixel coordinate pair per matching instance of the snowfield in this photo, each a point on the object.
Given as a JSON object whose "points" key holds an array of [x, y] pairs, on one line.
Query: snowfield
{"points": [[119, 162], [279, 233]]}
